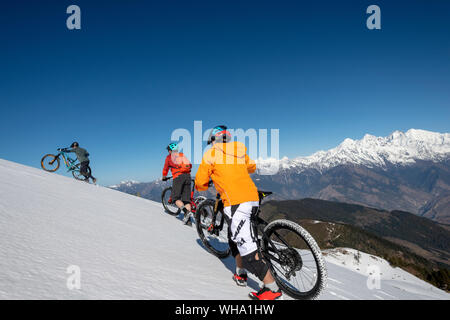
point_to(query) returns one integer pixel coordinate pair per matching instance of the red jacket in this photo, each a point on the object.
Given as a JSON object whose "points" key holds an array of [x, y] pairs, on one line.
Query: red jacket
{"points": [[177, 163]]}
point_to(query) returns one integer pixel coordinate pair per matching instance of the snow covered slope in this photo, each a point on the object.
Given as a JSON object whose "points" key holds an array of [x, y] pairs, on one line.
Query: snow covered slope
{"points": [[394, 283], [127, 248]]}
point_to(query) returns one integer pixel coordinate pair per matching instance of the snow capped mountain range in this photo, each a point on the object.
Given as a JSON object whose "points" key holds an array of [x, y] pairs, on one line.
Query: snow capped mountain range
{"points": [[399, 148], [125, 183], [407, 171]]}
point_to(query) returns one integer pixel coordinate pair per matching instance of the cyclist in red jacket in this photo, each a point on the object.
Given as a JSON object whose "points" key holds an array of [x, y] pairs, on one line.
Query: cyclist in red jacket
{"points": [[181, 174]]}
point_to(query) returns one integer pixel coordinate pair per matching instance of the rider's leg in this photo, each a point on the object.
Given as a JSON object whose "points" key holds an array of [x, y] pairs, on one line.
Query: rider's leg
{"points": [[257, 266], [268, 278], [84, 169], [181, 191], [185, 207], [239, 263], [234, 251], [240, 275], [90, 174], [176, 192], [186, 192], [241, 237], [179, 204], [186, 198], [241, 232]]}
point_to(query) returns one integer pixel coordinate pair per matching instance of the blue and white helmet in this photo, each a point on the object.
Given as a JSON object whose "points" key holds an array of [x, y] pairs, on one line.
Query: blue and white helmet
{"points": [[172, 147]]}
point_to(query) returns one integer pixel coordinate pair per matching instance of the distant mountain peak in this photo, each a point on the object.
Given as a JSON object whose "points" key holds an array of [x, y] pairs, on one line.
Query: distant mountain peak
{"points": [[399, 148], [127, 183]]}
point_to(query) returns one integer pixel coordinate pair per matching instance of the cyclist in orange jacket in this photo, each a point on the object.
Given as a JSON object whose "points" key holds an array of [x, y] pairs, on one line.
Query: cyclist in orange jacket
{"points": [[181, 174], [229, 166]]}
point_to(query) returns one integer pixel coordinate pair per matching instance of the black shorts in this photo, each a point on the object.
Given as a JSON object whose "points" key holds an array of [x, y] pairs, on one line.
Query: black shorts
{"points": [[84, 169], [181, 188]]}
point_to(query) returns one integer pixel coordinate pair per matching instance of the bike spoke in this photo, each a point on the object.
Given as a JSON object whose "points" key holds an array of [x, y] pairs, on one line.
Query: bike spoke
{"points": [[308, 277], [281, 239], [296, 268], [214, 230], [298, 284]]}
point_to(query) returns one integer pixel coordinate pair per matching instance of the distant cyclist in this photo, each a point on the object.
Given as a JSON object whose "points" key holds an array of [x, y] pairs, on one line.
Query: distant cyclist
{"points": [[229, 167], [83, 157], [181, 174]]}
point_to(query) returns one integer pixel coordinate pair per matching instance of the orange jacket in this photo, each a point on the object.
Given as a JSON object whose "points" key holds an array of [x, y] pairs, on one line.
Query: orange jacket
{"points": [[177, 163], [228, 165]]}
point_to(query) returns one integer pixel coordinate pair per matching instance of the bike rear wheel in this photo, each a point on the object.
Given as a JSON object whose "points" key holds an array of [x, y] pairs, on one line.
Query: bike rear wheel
{"points": [[168, 204], [50, 162], [212, 232], [77, 174], [295, 258]]}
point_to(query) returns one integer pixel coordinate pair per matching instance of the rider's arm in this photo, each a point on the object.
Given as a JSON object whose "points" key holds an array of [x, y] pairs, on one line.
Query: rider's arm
{"points": [[203, 175], [251, 164], [166, 167]]}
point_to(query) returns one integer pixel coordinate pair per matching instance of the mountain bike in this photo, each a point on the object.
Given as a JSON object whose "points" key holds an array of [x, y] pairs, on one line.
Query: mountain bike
{"points": [[170, 206], [294, 258], [51, 163]]}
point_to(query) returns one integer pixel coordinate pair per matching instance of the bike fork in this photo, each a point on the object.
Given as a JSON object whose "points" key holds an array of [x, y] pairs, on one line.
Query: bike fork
{"points": [[53, 161]]}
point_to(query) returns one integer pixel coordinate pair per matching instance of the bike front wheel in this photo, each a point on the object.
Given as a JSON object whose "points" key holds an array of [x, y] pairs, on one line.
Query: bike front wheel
{"points": [[295, 259], [212, 232], [168, 204], [50, 162]]}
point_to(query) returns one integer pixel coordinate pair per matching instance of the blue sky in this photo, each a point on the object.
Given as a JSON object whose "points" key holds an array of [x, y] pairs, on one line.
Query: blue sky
{"points": [[137, 70]]}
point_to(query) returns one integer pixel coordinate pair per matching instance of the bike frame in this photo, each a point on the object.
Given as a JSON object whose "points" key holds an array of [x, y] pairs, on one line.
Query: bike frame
{"points": [[70, 163], [258, 224]]}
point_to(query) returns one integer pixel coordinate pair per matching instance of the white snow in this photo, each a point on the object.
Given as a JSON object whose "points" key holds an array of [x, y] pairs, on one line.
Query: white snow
{"points": [[127, 248], [127, 183], [399, 148], [394, 282]]}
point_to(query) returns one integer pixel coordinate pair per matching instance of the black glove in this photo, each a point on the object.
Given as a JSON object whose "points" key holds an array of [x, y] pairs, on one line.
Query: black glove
{"points": [[165, 178]]}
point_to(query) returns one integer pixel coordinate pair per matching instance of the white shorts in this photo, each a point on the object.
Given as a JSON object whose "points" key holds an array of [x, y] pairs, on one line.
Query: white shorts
{"points": [[240, 227]]}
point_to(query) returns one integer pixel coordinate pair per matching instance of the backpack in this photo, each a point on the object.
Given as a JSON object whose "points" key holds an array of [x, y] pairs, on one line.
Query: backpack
{"points": [[183, 164]]}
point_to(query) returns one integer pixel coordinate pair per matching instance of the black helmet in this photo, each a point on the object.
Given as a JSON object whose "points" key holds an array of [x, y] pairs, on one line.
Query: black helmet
{"points": [[219, 134], [74, 144]]}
